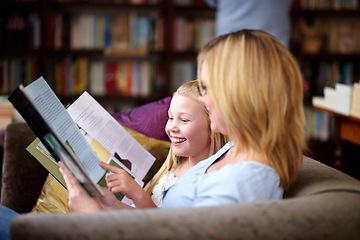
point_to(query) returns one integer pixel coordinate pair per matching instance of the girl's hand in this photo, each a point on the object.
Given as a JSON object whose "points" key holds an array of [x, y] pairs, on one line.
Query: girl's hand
{"points": [[121, 181]]}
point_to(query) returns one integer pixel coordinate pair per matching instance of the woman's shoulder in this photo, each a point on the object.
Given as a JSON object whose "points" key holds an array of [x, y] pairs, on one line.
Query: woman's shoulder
{"points": [[243, 180], [249, 172], [249, 169]]}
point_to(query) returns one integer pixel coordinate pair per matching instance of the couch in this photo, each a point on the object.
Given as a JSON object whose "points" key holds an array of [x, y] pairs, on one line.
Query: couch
{"points": [[323, 203]]}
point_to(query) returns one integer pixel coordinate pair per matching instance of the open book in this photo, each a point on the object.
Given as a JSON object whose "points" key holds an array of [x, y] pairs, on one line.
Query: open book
{"points": [[80, 135]]}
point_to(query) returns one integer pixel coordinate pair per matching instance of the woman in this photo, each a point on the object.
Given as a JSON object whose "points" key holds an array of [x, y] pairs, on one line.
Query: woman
{"points": [[252, 87]]}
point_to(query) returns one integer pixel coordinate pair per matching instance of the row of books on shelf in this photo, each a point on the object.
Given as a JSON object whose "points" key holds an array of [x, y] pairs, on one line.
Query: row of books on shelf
{"points": [[182, 71], [22, 30], [127, 78], [122, 31], [16, 71], [328, 73], [319, 124], [192, 34], [343, 99], [328, 35], [327, 4], [334, 72], [71, 76], [86, 31]]}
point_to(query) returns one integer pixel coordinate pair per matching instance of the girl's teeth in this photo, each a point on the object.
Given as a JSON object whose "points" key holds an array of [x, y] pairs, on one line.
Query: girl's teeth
{"points": [[177, 140]]}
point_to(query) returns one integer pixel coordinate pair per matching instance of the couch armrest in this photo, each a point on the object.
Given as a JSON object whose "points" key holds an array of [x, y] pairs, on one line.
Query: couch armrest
{"points": [[313, 217], [22, 176]]}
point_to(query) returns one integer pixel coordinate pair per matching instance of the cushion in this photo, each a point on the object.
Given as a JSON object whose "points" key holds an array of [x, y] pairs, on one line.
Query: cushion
{"points": [[54, 197], [149, 119]]}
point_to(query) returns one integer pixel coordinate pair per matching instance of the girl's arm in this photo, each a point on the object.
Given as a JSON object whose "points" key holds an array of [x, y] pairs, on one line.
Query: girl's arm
{"points": [[121, 181]]}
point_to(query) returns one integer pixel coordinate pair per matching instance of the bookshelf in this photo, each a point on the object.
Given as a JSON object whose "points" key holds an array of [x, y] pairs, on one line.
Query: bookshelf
{"points": [[193, 26], [118, 50], [108, 48], [325, 36], [78, 44]]}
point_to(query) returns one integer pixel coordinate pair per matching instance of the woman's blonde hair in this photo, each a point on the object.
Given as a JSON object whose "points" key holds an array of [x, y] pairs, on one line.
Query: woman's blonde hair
{"points": [[217, 140], [256, 85]]}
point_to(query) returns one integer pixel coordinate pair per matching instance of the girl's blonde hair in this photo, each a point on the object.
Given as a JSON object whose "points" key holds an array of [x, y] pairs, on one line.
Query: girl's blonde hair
{"points": [[217, 140], [256, 85]]}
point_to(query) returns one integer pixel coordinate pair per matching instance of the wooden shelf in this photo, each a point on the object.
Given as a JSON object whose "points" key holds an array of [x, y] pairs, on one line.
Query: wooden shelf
{"points": [[348, 117]]}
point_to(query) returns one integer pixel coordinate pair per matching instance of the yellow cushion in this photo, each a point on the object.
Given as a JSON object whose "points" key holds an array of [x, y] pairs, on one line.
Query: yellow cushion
{"points": [[54, 197]]}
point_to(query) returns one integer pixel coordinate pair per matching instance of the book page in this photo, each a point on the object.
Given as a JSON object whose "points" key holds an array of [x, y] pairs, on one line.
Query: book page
{"points": [[100, 125], [43, 156], [59, 119]]}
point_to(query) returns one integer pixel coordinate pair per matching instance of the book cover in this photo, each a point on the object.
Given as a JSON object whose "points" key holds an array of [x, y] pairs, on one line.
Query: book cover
{"points": [[81, 136]]}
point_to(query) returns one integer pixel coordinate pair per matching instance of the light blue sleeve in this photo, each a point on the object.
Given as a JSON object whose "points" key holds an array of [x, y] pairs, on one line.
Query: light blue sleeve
{"points": [[238, 183]]}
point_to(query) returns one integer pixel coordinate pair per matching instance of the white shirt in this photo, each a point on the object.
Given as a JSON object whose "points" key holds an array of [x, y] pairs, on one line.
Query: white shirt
{"points": [[165, 182]]}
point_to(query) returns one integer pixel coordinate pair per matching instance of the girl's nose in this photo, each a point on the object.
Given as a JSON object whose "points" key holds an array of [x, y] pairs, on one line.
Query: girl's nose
{"points": [[173, 127]]}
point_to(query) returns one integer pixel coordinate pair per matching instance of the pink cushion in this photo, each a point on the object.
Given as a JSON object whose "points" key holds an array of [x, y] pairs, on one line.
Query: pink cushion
{"points": [[149, 119]]}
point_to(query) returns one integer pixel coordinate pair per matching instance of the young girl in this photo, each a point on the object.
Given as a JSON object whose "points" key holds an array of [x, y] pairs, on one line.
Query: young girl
{"points": [[178, 160], [188, 128]]}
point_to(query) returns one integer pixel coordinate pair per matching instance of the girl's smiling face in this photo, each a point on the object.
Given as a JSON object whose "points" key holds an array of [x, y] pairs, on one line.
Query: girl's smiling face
{"points": [[188, 127]]}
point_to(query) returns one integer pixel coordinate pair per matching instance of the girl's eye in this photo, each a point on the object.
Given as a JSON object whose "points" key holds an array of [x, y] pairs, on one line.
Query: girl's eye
{"points": [[185, 120], [170, 118]]}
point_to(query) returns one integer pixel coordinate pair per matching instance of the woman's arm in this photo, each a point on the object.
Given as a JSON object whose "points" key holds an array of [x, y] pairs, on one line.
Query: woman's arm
{"points": [[79, 199]]}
